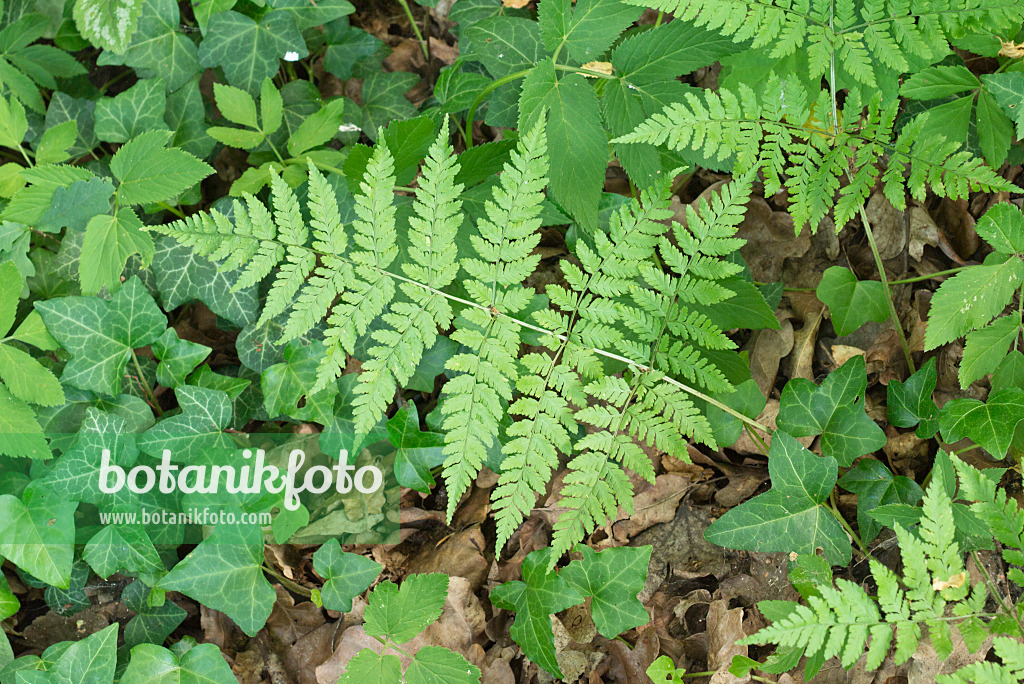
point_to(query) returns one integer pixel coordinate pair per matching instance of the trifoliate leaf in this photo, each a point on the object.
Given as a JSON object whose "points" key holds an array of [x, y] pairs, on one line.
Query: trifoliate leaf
{"points": [[133, 112], [148, 172], [247, 51], [577, 144], [852, 302], [970, 299], [417, 452], [109, 241], [39, 537], [399, 614], [910, 403], [225, 572], [990, 425], [108, 24], [875, 485], [792, 515], [201, 664], [534, 600], [100, 335], [346, 575], [612, 578], [177, 357], [832, 411]]}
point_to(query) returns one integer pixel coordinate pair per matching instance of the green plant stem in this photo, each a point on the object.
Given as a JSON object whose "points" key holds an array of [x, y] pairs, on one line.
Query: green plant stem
{"points": [[757, 440], [902, 281], [995, 592], [387, 644], [174, 210], [885, 284], [834, 509], [415, 28], [150, 397], [288, 584]]}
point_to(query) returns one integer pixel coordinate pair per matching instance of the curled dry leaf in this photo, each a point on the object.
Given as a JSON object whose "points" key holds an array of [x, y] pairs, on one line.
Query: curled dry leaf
{"points": [[1010, 49], [656, 504], [600, 67], [515, 4], [725, 628], [923, 231]]}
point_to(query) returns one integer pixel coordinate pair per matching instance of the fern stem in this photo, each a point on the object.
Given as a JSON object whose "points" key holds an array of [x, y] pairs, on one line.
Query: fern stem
{"points": [[885, 284], [995, 592]]}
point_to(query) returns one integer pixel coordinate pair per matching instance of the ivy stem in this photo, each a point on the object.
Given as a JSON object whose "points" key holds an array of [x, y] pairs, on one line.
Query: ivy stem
{"points": [[174, 210], [902, 281], [757, 440], [146, 389], [885, 284], [415, 28], [834, 509], [288, 584]]}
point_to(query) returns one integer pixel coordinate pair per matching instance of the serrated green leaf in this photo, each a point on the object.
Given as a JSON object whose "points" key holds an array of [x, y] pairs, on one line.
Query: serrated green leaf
{"points": [[108, 24], [109, 241], [990, 425], [910, 403], [875, 485], [13, 124], [417, 452], [437, 665], [367, 666], [852, 302], [225, 572], [271, 107], [612, 578], [832, 411], [534, 600], [149, 172], [971, 299], [317, 129], [792, 515], [995, 130], [1002, 226], [1010, 372], [33, 331], [153, 664], [10, 291], [939, 81], [235, 105], [132, 113], [587, 29], [248, 51], [101, 335], [984, 349], [399, 614], [346, 575], [20, 434], [55, 142], [577, 144], [39, 537], [27, 379]]}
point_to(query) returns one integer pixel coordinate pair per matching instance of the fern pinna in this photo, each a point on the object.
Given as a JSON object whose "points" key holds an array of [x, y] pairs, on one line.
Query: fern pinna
{"points": [[626, 301], [934, 595]]}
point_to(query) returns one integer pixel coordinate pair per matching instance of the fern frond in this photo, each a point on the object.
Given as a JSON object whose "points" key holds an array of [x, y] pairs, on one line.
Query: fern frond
{"points": [[1002, 514], [779, 134], [411, 326], [475, 398]]}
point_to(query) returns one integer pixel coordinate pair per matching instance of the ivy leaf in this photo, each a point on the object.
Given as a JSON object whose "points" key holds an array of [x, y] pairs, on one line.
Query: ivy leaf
{"points": [[586, 31], [76, 476], [72, 599], [198, 429], [151, 623], [100, 335], [852, 302], [612, 578], [307, 14], [74, 206], [225, 572], [577, 143], [792, 515], [133, 112], [417, 453], [89, 661], [384, 99], [400, 613], [352, 48], [910, 403], [1008, 90], [247, 51], [125, 549], [186, 116], [285, 384], [970, 299], [64, 108], [875, 485], [108, 24], [160, 47], [152, 664], [204, 9], [39, 537], [177, 357], [990, 425], [182, 276], [832, 411], [148, 172], [109, 241], [504, 45], [534, 600], [346, 575]]}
